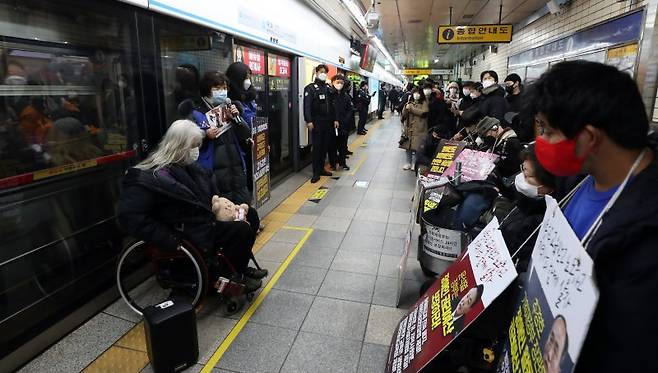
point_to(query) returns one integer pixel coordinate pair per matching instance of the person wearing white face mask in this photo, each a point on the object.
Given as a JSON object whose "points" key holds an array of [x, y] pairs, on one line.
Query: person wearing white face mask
{"points": [[166, 199], [344, 111], [225, 138], [493, 96], [452, 98], [414, 119], [527, 212], [320, 117], [243, 94]]}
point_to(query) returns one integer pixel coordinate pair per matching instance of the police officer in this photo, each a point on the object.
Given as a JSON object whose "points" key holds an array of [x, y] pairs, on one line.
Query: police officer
{"points": [[320, 117], [362, 103]]}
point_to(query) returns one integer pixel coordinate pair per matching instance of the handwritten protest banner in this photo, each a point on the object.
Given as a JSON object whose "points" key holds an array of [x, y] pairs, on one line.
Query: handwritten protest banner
{"points": [[452, 303], [556, 303], [475, 165]]}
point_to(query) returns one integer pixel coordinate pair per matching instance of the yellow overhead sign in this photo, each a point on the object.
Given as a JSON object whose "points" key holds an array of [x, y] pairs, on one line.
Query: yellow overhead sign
{"points": [[426, 72], [416, 71], [475, 34], [625, 51]]}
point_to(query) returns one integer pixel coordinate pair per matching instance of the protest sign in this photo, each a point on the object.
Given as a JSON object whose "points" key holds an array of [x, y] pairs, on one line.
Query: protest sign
{"points": [[218, 117], [475, 165], [556, 303], [261, 161], [446, 153], [452, 303], [442, 243]]}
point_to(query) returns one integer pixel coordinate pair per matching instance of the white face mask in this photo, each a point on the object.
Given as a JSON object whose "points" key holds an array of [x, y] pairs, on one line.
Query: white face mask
{"points": [[416, 96], [193, 155], [427, 92], [338, 86], [525, 188], [246, 84], [219, 96], [466, 92], [322, 76], [473, 95], [488, 83]]}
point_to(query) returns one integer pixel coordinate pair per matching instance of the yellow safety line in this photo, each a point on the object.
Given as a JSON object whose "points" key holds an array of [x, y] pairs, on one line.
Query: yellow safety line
{"points": [[356, 143], [358, 165], [214, 359]]}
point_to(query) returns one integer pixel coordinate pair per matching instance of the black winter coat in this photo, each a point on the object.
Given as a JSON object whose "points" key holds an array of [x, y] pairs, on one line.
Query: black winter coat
{"points": [[229, 167], [623, 335], [229, 173], [428, 148], [344, 110], [165, 206], [493, 103], [362, 100], [440, 117], [519, 224], [508, 147]]}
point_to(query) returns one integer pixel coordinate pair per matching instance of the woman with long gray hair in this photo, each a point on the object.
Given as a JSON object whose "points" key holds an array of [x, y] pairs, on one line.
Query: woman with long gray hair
{"points": [[167, 198]]}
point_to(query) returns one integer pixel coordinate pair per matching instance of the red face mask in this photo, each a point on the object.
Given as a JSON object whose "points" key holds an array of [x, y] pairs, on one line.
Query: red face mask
{"points": [[560, 158]]}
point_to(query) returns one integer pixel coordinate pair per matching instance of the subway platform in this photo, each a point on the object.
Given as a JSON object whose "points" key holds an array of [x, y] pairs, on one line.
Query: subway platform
{"points": [[328, 304]]}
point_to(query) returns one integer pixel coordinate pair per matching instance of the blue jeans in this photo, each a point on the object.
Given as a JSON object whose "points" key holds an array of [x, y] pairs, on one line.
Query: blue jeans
{"points": [[469, 211]]}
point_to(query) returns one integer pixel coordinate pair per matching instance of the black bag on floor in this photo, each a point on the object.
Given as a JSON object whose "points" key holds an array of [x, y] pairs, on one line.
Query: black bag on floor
{"points": [[171, 336]]}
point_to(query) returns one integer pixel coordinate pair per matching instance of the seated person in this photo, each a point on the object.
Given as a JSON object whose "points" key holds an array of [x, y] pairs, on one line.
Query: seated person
{"points": [[501, 140], [531, 184], [167, 198]]}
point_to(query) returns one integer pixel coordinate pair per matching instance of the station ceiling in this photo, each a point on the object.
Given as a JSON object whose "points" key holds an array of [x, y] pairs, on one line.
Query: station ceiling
{"points": [[409, 27]]}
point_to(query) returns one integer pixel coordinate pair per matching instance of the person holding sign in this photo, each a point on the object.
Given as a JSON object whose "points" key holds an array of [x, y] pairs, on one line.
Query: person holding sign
{"points": [[222, 149], [593, 121]]}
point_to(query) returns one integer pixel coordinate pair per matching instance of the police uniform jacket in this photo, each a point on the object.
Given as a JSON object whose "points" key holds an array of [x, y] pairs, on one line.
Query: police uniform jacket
{"points": [[319, 107], [362, 100]]}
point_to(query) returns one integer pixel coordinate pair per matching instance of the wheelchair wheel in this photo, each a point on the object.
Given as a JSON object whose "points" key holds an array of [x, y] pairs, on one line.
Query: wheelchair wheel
{"points": [[146, 276]]}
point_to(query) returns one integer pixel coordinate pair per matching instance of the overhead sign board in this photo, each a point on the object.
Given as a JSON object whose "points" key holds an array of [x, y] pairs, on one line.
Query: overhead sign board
{"points": [[621, 30], [475, 34], [426, 71]]}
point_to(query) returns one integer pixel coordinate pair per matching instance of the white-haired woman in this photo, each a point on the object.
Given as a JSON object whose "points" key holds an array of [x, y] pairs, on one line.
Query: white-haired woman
{"points": [[167, 197]]}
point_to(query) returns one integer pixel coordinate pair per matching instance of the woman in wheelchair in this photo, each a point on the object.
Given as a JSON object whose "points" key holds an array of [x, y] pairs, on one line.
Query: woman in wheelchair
{"points": [[167, 198]]}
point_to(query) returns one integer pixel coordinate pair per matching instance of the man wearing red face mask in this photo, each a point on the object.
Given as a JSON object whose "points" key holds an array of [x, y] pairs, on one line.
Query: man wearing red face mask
{"points": [[593, 122]]}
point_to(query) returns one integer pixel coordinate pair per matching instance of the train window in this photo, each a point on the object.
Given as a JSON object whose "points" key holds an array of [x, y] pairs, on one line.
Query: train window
{"points": [[187, 53], [66, 91]]}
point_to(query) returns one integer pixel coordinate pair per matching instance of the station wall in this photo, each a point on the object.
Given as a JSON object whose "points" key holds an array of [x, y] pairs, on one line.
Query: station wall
{"points": [[577, 16]]}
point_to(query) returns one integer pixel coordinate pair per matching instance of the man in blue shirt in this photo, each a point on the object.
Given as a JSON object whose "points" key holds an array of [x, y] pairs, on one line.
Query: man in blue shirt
{"points": [[593, 122]]}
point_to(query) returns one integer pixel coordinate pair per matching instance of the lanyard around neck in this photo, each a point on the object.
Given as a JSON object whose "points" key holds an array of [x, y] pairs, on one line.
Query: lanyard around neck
{"points": [[599, 220], [205, 101]]}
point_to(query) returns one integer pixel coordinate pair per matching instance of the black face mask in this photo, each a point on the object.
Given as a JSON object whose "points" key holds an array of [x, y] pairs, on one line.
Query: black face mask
{"points": [[509, 89]]}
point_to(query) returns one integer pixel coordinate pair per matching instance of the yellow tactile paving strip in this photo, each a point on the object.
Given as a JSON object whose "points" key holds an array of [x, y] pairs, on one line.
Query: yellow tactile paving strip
{"points": [[128, 354]]}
